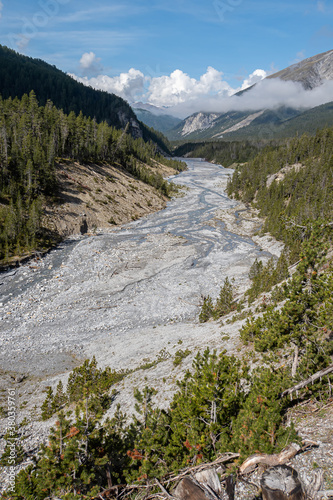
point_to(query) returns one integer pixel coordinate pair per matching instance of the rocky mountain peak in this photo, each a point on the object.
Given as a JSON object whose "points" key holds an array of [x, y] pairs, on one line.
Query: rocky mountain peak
{"points": [[311, 72]]}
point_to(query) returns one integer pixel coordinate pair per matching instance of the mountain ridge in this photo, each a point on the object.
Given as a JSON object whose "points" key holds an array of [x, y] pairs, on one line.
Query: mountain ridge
{"points": [[20, 74], [310, 73]]}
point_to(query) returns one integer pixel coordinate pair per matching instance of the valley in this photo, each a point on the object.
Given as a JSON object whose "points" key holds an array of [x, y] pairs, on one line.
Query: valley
{"points": [[157, 314], [129, 296], [104, 287]]}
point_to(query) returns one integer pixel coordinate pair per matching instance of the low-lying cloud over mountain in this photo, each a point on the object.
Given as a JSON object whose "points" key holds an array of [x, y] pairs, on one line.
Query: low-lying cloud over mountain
{"points": [[267, 94], [178, 91], [184, 95]]}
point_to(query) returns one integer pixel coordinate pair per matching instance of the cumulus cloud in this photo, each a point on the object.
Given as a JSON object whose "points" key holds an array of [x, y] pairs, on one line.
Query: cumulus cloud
{"points": [[129, 86], [183, 95], [90, 64], [253, 78], [179, 87]]}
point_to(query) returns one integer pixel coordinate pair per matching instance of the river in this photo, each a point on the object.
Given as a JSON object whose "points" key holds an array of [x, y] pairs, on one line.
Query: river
{"points": [[97, 294]]}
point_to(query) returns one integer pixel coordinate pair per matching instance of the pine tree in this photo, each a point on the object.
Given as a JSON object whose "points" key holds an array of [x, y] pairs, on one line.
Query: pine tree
{"points": [[47, 409]]}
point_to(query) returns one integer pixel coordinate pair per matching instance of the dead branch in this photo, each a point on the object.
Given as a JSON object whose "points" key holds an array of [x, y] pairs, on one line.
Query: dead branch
{"points": [[295, 362], [163, 489], [198, 468], [309, 380], [307, 443], [325, 494], [127, 489], [275, 459], [316, 485]]}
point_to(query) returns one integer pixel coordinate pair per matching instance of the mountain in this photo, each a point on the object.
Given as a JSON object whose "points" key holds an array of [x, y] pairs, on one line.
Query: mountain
{"points": [[208, 125], [280, 122], [285, 122], [310, 72], [20, 74], [162, 122]]}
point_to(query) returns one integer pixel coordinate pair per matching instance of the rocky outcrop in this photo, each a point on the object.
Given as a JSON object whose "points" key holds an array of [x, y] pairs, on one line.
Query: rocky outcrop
{"points": [[199, 121], [280, 175]]}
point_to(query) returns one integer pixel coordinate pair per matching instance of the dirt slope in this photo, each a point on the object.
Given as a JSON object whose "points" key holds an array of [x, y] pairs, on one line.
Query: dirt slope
{"points": [[100, 196]]}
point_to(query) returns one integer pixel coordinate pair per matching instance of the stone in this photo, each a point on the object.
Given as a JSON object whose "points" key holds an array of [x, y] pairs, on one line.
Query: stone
{"points": [[188, 490], [210, 477]]}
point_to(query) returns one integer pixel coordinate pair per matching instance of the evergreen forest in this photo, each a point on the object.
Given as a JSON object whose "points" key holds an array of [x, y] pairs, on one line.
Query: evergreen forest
{"points": [[224, 152], [290, 185]]}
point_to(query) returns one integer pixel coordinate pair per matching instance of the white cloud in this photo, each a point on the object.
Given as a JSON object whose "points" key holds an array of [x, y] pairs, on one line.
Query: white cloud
{"points": [[129, 85], [183, 95], [90, 64], [255, 77], [1, 7], [179, 87], [267, 94]]}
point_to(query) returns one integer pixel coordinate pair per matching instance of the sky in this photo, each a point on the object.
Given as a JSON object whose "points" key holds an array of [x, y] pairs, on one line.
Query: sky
{"points": [[186, 54]]}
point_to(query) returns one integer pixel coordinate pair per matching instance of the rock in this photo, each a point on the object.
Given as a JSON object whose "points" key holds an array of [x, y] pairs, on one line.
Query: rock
{"points": [[84, 227], [188, 490], [19, 378], [210, 477]]}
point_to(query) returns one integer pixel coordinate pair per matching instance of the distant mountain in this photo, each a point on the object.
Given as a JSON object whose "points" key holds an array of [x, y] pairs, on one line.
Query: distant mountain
{"points": [[206, 125], [20, 74], [155, 110], [162, 122], [311, 73], [277, 124]]}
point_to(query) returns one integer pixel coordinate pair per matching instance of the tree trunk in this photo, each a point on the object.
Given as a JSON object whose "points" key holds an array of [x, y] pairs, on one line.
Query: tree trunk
{"points": [[308, 381], [281, 483], [295, 362], [230, 487]]}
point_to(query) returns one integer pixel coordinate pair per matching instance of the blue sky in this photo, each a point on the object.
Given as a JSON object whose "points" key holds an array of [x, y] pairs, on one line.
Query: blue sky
{"points": [[232, 37]]}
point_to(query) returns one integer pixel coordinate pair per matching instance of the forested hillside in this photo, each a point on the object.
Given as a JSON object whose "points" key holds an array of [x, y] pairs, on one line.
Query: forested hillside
{"points": [[32, 139], [20, 74], [291, 186], [224, 152]]}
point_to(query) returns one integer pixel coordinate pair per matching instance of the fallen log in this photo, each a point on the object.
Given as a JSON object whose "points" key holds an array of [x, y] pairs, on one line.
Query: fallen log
{"points": [[281, 483], [275, 459], [308, 381]]}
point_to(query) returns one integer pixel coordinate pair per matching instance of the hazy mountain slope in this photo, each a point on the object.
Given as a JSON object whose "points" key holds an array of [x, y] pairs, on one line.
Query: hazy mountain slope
{"points": [[276, 124], [163, 122], [205, 125]]}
